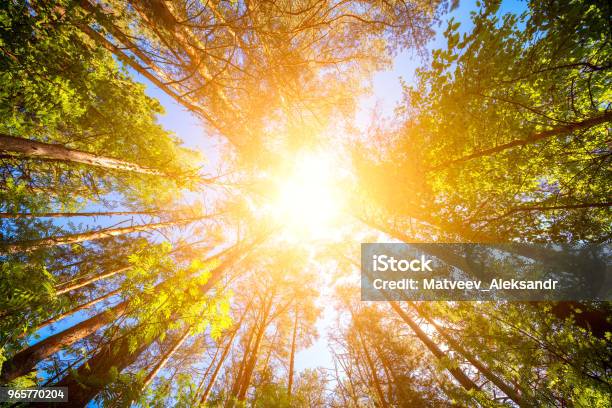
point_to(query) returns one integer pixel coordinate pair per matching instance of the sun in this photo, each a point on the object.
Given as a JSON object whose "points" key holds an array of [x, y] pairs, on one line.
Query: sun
{"points": [[308, 201]]}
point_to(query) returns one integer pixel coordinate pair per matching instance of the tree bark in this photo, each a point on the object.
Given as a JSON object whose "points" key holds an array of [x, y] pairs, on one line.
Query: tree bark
{"points": [[32, 245], [76, 214], [252, 361], [534, 137], [92, 376], [489, 375], [292, 358], [98, 377], [457, 373], [162, 363], [372, 368], [84, 306], [226, 350], [30, 149], [25, 360], [118, 52], [596, 321], [60, 290]]}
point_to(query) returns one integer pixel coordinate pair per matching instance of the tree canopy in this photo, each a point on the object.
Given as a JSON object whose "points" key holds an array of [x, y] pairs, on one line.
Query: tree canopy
{"points": [[137, 272]]}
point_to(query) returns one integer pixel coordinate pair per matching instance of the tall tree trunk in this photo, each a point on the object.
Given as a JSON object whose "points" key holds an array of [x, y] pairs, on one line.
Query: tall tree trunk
{"points": [[86, 281], [30, 149], [250, 366], [165, 83], [158, 16], [34, 244], [226, 350], [215, 374], [596, 321], [24, 361], [292, 358], [371, 366], [61, 289], [78, 308], [93, 375], [162, 363], [96, 379], [243, 363], [18, 215], [489, 375], [534, 137], [213, 363], [457, 373]]}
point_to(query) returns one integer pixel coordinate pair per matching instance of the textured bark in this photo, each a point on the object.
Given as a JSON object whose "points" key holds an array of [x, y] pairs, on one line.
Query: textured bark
{"points": [[30, 149], [534, 137]]}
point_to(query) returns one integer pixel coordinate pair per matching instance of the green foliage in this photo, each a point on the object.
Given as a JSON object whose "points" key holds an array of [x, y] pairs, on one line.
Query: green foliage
{"points": [[508, 78]]}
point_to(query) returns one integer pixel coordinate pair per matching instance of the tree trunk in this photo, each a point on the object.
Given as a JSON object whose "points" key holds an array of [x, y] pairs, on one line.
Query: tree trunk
{"points": [[292, 358], [32, 245], [93, 375], [372, 368], [226, 350], [250, 366], [60, 290], [24, 361], [187, 102], [457, 373], [162, 363], [534, 137], [213, 363], [596, 321], [84, 306], [76, 214], [489, 375], [158, 15], [30, 149], [98, 377], [84, 281], [215, 374], [247, 349]]}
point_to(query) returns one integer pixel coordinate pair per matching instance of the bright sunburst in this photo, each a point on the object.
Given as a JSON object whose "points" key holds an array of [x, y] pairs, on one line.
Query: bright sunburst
{"points": [[307, 201]]}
